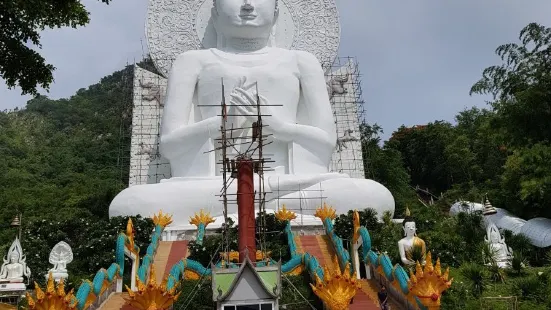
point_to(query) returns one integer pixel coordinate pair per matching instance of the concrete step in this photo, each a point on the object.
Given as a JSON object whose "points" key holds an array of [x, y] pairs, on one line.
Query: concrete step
{"points": [[116, 302]]}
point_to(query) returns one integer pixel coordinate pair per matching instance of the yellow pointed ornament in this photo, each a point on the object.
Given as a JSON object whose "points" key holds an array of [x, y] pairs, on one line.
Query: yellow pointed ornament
{"points": [[337, 289], [150, 295], [429, 283], [54, 298]]}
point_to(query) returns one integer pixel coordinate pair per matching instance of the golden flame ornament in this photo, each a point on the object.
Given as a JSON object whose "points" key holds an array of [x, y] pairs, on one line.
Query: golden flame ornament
{"points": [[201, 217], [150, 295], [162, 219], [325, 212], [130, 234], [337, 289], [234, 255], [53, 298], [429, 283], [356, 223], [285, 215]]}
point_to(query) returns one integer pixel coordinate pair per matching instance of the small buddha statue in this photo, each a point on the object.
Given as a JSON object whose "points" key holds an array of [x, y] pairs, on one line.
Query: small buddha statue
{"points": [[289, 85], [14, 267], [502, 254], [60, 256], [408, 245]]}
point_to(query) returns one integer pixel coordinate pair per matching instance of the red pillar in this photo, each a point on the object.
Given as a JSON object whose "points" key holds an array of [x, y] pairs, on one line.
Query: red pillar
{"points": [[245, 210]]}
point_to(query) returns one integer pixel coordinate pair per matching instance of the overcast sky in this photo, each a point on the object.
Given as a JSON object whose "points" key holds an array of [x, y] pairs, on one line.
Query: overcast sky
{"points": [[418, 58]]}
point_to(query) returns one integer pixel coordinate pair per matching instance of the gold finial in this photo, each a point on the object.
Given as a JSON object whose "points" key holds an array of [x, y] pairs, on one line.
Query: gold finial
{"points": [[151, 294], [285, 215], [325, 212], [429, 284], [162, 219], [337, 289], [234, 255], [488, 208], [408, 213], [356, 222], [53, 298], [16, 222], [201, 218], [130, 234]]}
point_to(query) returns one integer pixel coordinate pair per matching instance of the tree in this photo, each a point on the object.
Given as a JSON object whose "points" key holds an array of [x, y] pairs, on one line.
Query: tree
{"points": [[527, 181], [385, 166], [20, 23], [521, 87], [423, 150]]}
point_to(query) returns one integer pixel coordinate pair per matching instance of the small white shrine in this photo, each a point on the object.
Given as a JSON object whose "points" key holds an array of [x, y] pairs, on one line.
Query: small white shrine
{"points": [[14, 269], [60, 256]]}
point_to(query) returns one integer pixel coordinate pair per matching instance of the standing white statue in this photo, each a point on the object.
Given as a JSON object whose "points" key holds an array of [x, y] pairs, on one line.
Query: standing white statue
{"points": [[14, 267], [410, 244], [247, 58], [60, 256], [502, 254]]}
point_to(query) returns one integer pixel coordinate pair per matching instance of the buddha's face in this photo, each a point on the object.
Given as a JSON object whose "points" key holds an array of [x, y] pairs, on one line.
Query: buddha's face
{"points": [[14, 257], [244, 18], [409, 229], [494, 237]]}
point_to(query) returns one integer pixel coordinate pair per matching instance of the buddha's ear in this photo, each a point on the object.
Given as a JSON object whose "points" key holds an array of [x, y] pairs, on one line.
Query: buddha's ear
{"points": [[276, 14]]}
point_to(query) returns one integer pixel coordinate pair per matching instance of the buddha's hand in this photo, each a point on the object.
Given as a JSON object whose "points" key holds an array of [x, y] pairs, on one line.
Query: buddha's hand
{"points": [[246, 103]]}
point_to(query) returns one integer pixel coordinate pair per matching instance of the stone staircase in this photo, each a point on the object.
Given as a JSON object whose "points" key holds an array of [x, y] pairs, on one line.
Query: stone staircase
{"points": [[178, 250], [369, 288], [168, 254], [116, 302], [364, 300], [320, 247]]}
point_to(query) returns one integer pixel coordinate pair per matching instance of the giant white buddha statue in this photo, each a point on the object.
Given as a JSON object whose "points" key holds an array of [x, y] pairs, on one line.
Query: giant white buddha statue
{"points": [[302, 130]]}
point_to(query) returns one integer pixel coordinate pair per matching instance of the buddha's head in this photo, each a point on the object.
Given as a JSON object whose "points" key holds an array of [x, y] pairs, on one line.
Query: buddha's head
{"points": [[409, 227], [247, 19], [14, 257]]}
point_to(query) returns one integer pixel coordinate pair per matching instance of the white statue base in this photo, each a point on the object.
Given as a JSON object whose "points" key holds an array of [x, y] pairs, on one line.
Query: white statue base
{"points": [[302, 225], [57, 276], [184, 198], [12, 287]]}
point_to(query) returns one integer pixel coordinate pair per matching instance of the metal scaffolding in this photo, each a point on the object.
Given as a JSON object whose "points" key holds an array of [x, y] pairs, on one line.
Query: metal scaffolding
{"points": [[148, 166]]}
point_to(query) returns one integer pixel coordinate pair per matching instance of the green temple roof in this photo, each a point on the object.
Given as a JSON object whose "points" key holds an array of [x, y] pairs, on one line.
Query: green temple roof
{"points": [[224, 280]]}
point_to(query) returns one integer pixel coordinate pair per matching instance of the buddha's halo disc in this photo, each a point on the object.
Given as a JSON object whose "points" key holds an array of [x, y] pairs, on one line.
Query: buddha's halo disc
{"points": [[176, 26]]}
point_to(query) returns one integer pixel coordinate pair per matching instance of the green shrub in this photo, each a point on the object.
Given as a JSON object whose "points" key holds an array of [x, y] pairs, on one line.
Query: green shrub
{"points": [[475, 274]]}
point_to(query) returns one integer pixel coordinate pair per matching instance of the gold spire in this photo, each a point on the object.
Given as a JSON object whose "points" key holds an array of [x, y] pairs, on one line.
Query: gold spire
{"points": [[130, 234], [337, 289], [488, 208], [356, 223], [408, 213], [285, 215]]}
